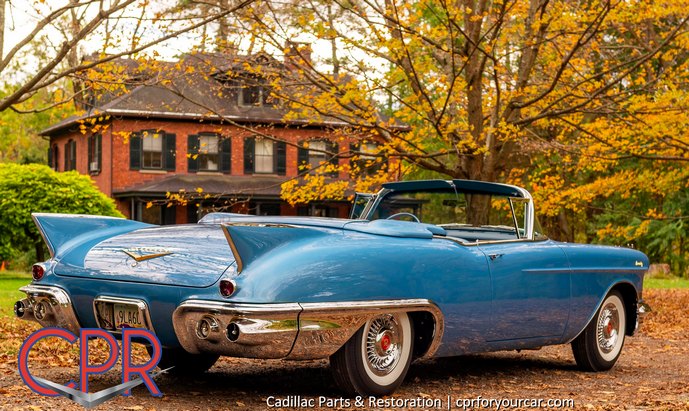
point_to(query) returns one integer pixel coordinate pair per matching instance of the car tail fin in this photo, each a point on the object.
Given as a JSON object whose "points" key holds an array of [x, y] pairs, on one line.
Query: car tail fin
{"points": [[63, 232], [249, 241]]}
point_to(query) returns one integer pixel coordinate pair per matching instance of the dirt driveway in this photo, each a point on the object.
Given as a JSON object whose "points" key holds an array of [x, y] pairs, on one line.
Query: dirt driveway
{"points": [[653, 373]]}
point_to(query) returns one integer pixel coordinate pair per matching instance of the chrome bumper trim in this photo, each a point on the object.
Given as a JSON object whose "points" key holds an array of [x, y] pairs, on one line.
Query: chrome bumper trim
{"points": [[289, 330], [642, 309], [264, 330], [53, 304]]}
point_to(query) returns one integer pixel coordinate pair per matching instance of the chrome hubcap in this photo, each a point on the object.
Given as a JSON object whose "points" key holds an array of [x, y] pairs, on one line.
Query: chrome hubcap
{"points": [[383, 344], [607, 331]]}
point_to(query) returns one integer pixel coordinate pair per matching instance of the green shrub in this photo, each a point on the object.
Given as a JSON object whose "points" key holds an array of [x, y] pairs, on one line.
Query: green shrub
{"points": [[25, 189]]}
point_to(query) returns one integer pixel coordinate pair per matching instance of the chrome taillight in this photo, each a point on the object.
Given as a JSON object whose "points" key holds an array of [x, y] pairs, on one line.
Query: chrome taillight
{"points": [[37, 272], [227, 288]]}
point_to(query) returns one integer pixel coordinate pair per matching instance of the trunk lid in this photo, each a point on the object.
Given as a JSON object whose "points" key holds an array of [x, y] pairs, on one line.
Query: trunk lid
{"points": [[183, 255]]}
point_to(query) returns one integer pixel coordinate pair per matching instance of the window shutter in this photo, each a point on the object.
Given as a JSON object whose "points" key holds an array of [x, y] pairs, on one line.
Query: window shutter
{"points": [[333, 148], [170, 151], [50, 158], [135, 151], [91, 141], [192, 150], [280, 158], [99, 146], [66, 156], [72, 154], [302, 156], [249, 150], [225, 155]]}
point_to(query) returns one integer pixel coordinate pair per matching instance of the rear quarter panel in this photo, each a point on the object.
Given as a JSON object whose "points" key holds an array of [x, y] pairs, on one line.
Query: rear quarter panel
{"points": [[353, 266]]}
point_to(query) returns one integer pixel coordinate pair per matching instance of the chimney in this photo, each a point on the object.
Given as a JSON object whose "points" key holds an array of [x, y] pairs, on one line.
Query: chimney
{"points": [[297, 55]]}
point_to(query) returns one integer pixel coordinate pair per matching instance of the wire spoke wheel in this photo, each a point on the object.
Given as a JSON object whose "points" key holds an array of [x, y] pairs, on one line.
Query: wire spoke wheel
{"points": [[376, 359]]}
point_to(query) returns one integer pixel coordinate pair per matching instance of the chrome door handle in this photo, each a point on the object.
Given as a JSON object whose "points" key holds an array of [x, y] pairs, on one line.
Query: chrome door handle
{"points": [[494, 256]]}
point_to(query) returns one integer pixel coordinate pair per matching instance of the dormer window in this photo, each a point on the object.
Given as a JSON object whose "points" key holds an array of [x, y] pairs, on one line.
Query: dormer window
{"points": [[251, 96], [253, 92]]}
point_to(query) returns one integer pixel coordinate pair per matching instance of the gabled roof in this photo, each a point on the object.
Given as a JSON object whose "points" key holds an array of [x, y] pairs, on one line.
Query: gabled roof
{"points": [[197, 88]]}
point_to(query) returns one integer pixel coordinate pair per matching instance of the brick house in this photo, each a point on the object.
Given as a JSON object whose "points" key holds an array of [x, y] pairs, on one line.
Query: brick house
{"points": [[201, 129]]}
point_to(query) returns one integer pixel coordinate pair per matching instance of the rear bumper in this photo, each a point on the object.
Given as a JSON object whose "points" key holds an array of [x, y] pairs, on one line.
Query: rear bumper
{"points": [[49, 306], [288, 330]]}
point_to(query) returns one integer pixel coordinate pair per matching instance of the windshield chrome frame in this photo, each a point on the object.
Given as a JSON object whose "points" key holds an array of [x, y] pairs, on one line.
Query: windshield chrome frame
{"points": [[529, 217]]}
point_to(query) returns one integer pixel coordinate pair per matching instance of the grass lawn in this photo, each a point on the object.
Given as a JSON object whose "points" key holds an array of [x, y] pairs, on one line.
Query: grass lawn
{"points": [[675, 282], [10, 281]]}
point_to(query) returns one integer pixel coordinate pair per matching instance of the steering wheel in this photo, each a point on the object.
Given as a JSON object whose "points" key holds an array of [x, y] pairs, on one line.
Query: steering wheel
{"points": [[404, 214]]}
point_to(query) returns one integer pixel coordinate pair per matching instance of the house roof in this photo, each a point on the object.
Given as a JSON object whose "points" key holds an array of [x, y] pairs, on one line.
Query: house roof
{"points": [[197, 88], [213, 184], [223, 186]]}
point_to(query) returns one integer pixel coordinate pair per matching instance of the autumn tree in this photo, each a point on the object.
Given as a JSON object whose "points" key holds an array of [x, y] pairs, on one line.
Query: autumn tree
{"points": [[483, 84], [62, 28]]}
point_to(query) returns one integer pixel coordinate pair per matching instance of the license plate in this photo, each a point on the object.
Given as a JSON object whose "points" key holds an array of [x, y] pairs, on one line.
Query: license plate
{"points": [[127, 316], [116, 316]]}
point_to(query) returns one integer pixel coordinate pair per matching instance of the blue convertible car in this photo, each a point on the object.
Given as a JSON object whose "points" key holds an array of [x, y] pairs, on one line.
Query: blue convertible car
{"points": [[423, 269]]}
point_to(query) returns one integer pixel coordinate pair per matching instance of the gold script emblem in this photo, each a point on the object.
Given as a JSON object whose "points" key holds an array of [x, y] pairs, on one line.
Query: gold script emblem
{"points": [[639, 264], [145, 253]]}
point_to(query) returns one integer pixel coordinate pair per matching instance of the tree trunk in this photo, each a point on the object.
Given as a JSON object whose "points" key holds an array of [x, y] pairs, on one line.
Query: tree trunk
{"points": [[73, 59], [40, 254], [2, 27]]}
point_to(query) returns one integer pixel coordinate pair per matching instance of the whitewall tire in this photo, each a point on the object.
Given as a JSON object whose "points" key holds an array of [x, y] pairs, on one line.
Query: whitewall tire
{"points": [[599, 346], [376, 359]]}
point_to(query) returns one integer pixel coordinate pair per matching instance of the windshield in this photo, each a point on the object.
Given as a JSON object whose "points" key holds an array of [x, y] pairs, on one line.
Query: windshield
{"points": [[460, 211]]}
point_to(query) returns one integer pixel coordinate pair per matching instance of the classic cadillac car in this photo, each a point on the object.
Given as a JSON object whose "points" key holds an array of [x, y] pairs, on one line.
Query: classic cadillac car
{"points": [[422, 269]]}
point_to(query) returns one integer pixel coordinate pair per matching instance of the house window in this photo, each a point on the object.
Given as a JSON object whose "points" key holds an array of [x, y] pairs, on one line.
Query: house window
{"points": [[71, 155], [152, 150], [251, 96], [367, 163], [253, 92], [208, 152], [264, 156], [152, 154], [94, 153], [317, 153], [318, 210], [155, 214]]}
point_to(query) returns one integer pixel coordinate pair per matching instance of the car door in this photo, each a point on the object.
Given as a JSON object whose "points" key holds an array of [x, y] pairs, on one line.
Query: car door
{"points": [[530, 283]]}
